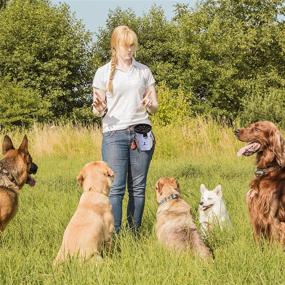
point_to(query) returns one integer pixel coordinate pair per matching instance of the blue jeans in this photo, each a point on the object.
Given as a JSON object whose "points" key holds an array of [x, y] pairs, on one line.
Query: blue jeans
{"points": [[131, 168]]}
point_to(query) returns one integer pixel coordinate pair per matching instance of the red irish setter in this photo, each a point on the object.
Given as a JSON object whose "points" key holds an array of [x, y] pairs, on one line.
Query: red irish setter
{"points": [[266, 197]]}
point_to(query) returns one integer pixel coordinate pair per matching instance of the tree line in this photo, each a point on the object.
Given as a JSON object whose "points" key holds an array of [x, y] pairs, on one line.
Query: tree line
{"points": [[223, 59]]}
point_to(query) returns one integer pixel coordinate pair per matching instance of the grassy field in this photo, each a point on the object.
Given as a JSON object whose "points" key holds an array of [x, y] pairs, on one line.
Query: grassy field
{"points": [[197, 152]]}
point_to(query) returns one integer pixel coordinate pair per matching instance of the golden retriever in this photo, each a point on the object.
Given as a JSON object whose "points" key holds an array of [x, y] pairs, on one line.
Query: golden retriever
{"points": [[92, 223], [175, 227], [266, 197]]}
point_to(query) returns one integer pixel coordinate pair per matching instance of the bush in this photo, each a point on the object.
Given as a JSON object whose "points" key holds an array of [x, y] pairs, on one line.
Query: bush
{"points": [[20, 106], [173, 106], [83, 116], [268, 107]]}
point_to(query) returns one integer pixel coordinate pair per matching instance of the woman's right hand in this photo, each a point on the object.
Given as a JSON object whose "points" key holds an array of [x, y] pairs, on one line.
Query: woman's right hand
{"points": [[99, 101]]}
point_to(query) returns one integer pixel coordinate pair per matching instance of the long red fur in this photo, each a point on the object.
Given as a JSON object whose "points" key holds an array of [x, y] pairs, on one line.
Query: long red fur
{"points": [[266, 197]]}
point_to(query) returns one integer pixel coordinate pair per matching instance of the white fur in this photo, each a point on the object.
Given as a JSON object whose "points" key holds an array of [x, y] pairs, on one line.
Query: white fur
{"points": [[217, 213]]}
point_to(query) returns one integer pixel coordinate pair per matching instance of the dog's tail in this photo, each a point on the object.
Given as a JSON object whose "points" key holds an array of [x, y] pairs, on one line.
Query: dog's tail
{"points": [[60, 258], [198, 245]]}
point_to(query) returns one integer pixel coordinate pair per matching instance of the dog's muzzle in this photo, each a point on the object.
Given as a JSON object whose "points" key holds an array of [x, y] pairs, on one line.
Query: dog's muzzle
{"points": [[33, 169], [205, 207], [237, 133]]}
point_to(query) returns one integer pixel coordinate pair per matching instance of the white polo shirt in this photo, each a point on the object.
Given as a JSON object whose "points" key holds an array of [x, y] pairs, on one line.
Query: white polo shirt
{"points": [[124, 104]]}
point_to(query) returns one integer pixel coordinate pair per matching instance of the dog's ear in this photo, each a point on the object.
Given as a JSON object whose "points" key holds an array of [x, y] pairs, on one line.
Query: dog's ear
{"points": [[218, 191], [277, 146], [110, 172], [80, 178], [175, 183], [158, 186], [24, 145], [178, 186], [7, 144], [202, 188]]}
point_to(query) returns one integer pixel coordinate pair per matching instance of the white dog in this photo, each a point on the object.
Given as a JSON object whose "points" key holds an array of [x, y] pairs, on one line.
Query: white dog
{"points": [[212, 209]]}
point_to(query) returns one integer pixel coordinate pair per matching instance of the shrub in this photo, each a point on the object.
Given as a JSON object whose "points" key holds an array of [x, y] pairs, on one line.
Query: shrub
{"points": [[268, 107], [173, 106], [20, 106]]}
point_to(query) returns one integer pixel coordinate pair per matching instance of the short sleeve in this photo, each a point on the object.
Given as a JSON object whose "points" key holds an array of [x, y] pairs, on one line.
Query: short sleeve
{"points": [[98, 81], [149, 78]]}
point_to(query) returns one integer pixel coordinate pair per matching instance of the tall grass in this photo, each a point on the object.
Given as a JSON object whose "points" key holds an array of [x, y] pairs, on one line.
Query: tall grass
{"points": [[196, 137], [196, 152]]}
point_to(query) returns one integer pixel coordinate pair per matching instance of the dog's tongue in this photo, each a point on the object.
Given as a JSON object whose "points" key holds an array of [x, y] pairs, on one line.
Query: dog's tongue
{"points": [[248, 149], [31, 181]]}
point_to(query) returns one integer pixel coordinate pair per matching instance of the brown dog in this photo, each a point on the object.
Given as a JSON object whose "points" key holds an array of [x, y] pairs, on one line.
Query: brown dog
{"points": [[175, 227], [16, 168], [92, 223], [266, 197]]}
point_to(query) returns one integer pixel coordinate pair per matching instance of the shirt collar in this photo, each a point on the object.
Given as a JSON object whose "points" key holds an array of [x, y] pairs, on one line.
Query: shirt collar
{"points": [[134, 64]]}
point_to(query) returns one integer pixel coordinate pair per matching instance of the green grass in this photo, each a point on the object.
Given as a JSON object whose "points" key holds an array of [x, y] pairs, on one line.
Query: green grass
{"points": [[200, 152]]}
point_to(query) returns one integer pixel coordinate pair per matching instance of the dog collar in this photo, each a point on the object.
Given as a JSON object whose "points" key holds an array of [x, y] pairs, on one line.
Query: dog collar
{"points": [[170, 197], [264, 171], [7, 180], [207, 207]]}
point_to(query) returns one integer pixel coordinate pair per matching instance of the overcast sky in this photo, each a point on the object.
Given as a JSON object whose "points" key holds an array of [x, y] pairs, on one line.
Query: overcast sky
{"points": [[94, 12]]}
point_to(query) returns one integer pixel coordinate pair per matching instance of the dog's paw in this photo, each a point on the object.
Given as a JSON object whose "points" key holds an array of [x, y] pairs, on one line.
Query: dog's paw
{"points": [[250, 195]]}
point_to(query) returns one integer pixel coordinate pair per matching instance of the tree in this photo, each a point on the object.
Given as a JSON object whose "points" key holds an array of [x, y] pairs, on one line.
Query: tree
{"points": [[3, 3], [217, 55], [234, 50], [45, 48], [212, 58]]}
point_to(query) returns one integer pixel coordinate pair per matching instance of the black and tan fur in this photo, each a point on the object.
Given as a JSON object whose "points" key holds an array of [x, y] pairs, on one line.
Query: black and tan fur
{"points": [[16, 168]]}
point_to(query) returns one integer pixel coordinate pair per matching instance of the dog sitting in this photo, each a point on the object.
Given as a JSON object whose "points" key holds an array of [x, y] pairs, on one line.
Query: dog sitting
{"points": [[266, 197], [175, 227], [92, 223], [16, 168], [212, 209]]}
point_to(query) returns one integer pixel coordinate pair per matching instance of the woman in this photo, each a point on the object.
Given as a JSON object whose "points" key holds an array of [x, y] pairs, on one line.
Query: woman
{"points": [[124, 95]]}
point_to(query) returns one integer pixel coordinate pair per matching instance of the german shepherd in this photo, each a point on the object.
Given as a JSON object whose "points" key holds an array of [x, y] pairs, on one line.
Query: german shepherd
{"points": [[16, 168]]}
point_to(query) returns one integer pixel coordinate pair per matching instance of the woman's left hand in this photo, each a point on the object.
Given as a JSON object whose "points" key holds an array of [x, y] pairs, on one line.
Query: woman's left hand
{"points": [[147, 102]]}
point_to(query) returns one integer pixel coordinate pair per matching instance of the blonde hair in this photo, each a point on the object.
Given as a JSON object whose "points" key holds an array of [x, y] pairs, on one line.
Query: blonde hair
{"points": [[121, 35]]}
